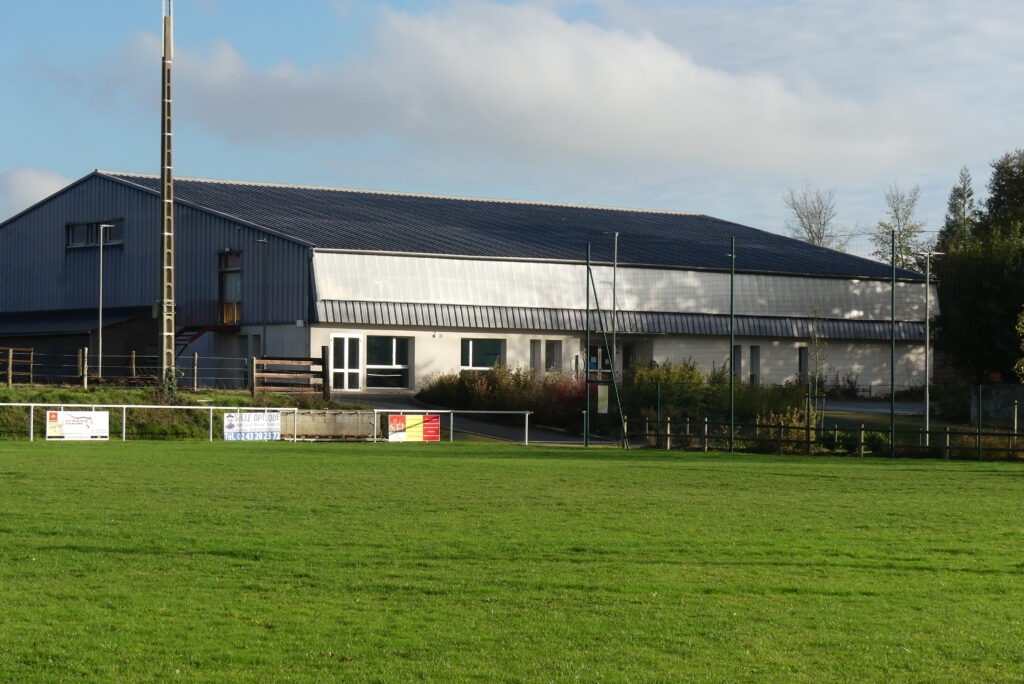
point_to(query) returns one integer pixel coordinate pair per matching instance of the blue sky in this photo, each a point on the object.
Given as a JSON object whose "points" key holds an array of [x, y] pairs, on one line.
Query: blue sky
{"points": [[717, 107]]}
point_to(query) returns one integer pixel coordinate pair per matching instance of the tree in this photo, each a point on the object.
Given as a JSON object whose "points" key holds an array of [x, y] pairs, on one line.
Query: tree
{"points": [[900, 205], [1004, 209], [814, 213], [961, 216], [1020, 331]]}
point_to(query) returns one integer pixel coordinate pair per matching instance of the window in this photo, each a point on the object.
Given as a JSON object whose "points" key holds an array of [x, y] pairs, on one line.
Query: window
{"points": [[755, 365], [482, 354], [88, 234], [230, 272], [553, 355], [599, 363], [387, 361], [345, 362], [801, 364], [736, 364]]}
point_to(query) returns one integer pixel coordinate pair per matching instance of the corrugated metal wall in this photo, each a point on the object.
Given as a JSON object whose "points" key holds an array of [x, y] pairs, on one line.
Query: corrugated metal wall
{"points": [[39, 272], [490, 282]]}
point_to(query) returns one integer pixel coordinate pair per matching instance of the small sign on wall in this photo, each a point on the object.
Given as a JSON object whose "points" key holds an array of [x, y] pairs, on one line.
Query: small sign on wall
{"points": [[414, 428], [77, 425], [252, 426]]}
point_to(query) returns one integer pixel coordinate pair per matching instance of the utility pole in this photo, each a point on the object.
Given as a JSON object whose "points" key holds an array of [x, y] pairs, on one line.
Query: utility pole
{"points": [[167, 326]]}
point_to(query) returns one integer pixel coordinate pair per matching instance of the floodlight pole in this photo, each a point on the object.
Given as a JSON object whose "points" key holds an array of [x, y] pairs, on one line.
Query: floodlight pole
{"points": [[99, 317], [167, 300], [892, 352], [928, 342], [732, 344], [586, 362], [615, 278]]}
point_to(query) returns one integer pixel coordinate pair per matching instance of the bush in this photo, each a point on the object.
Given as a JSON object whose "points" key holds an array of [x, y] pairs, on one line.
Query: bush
{"points": [[877, 443], [786, 432], [556, 399]]}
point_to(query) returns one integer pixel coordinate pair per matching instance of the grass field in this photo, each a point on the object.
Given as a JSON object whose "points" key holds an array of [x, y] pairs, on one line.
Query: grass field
{"points": [[241, 562]]}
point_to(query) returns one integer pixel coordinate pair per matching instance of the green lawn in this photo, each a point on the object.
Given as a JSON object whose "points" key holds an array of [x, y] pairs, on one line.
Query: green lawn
{"points": [[296, 562]]}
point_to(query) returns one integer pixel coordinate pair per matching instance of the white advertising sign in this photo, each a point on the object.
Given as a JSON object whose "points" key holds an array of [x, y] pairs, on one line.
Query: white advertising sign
{"points": [[77, 425], [252, 426]]}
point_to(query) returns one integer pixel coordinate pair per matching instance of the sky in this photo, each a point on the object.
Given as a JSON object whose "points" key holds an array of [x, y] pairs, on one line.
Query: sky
{"points": [[717, 107]]}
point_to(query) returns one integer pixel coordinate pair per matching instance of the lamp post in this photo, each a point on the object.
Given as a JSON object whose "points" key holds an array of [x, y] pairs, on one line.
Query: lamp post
{"points": [[928, 341], [99, 323]]}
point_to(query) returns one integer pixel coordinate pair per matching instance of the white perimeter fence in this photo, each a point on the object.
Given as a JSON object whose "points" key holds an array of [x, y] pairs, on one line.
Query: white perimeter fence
{"points": [[296, 423]]}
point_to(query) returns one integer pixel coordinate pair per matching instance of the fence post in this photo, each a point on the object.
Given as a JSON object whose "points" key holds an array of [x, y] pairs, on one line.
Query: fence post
{"points": [[10, 367], [295, 427], [32, 425], [32, 366], [325, 373], [668, 432], [1014, 417], [647, 431], [195, 371], [807, 433], [860, 441], [945, 451], [252, 377], [705, 435], [79, 362], [131, 363], [526, 428], [85, 367]]}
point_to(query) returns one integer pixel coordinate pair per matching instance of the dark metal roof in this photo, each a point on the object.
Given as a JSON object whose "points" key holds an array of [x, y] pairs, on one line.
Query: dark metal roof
{"points": [[629, 322], [66, 322], [362, 220]]}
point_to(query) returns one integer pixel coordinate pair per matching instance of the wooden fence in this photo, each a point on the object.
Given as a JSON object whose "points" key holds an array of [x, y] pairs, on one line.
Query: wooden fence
{"points": [[291, 374], [15, 363]]}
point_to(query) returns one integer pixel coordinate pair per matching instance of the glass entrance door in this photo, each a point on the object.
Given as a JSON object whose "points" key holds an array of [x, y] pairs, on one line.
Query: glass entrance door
{"points": [[345, 368]]}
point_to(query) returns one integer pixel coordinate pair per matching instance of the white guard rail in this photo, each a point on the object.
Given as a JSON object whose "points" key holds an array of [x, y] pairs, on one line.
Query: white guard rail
{"points": [[451, 419], [124, 413]]}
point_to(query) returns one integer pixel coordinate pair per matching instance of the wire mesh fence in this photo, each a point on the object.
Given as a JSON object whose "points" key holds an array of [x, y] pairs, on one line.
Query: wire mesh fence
{"points": [[988, 444]]}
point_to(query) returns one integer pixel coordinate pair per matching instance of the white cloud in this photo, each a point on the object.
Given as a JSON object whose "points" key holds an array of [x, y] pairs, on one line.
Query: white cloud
{"points": [[522, 82], [22, 187]]}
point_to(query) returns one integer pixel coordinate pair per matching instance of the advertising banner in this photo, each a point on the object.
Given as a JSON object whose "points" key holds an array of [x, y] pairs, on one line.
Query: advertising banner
{"points": [[414, 428], [77, 425], [252, 426]]}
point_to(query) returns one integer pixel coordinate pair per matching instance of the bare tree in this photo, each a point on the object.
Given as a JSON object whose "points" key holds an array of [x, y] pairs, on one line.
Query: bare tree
{"points": [[900, 206], [814, 214]]}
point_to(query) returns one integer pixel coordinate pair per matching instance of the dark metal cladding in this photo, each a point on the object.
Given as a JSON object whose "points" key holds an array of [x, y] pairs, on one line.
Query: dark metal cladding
{"points": [[41, 273], [382, 222], [634, 322]]}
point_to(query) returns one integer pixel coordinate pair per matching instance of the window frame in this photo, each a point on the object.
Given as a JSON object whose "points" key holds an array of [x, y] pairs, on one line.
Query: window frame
{"points": [[394, 365], [466, 352], [92, 234]]}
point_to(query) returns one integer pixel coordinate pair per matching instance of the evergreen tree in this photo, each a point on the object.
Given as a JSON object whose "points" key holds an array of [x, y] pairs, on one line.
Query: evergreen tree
{"points": [[1004, 209], [961, 216]]}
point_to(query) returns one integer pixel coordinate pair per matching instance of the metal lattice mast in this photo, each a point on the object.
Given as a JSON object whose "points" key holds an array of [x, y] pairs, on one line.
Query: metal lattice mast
{"points": [[167, 328]]}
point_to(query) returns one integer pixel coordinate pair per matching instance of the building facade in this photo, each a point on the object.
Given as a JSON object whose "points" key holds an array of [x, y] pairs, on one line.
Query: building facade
{"points": [[402, 287]]}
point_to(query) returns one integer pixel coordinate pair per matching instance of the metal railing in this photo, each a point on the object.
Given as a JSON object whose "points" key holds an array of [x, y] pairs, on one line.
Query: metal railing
{"points": [[451, 419]]}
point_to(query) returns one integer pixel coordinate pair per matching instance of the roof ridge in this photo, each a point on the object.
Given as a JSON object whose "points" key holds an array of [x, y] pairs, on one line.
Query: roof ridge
{"points": [[410, 194]]}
